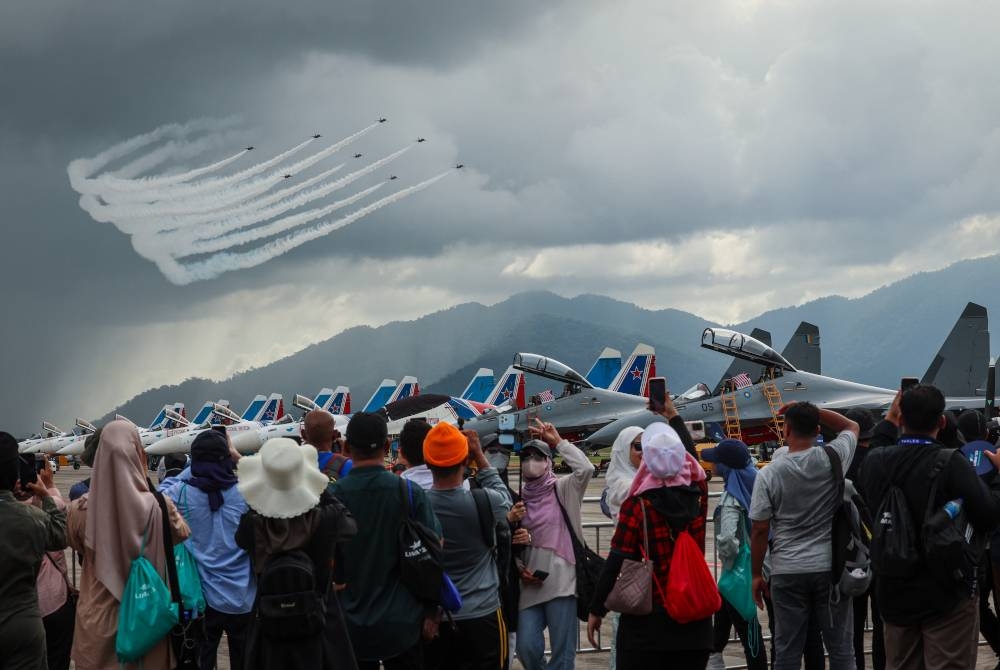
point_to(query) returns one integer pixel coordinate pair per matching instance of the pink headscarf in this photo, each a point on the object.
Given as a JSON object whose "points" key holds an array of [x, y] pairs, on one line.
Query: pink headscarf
{"points": [[665, 461], [542, 516], [121, 508]]}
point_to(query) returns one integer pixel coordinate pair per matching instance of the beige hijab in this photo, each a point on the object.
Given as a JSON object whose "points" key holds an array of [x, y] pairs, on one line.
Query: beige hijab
{"points": [[121, 508]]}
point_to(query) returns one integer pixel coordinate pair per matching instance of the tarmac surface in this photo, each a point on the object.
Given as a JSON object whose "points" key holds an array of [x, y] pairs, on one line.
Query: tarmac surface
{"points": [[598, 531]]}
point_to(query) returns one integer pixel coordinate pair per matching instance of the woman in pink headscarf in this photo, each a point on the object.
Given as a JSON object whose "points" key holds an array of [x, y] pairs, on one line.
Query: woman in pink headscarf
{"points": [[668, 495], [107, 526]]}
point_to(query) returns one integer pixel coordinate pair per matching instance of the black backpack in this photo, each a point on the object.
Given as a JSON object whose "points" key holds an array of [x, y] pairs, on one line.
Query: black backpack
{"points": [[947, 551], [496, 535], [420, 554], [289, 606], [850, 535]]}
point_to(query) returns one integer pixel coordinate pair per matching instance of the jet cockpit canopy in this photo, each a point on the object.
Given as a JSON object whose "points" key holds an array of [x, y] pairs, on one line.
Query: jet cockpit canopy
{"points": [[551, 369], [744, 347], [696, 392]]}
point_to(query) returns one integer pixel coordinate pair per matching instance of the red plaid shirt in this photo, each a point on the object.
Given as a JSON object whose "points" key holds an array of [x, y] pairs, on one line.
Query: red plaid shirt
{"points": [[628, 535]]}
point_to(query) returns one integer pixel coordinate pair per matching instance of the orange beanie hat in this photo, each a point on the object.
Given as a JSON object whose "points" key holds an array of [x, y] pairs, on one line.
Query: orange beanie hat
{"points": [[445, 446]]}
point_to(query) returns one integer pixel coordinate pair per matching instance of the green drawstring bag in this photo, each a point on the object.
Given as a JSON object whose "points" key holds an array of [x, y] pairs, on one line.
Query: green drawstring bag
{"points": [[147, 614], [192, 595], [736, 583]]}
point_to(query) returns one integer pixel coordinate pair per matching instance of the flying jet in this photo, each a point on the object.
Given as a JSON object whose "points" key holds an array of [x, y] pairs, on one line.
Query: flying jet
{"points": [[250, 148], [261, 411], [393, 178], [420, 139], [460, 166], [382, 120], [317, 136], [288, 176], [357, 155]]}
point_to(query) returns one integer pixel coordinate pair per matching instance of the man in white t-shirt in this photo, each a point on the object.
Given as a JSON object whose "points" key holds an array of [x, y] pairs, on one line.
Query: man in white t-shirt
{"points": [[793, 503]]}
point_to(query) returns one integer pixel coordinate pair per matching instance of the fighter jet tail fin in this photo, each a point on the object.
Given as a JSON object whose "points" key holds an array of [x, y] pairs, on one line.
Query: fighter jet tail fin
{"points": [[175, 416], [803, 350], [381, 396], [605, 368], [340, 403], [272, 410], [254, 409], [204, 414], [635, 373], [322, 399], [407, 387], [960, 366], [480, 386], [509, 390]]}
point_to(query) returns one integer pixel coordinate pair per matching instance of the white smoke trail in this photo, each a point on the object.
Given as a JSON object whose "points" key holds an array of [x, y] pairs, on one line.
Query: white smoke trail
{"points": [[227, 262], [202, 212]]}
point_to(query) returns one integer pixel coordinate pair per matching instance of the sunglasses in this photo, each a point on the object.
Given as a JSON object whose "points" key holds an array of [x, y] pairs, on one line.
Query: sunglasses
{"points": [[637, 445], [532, 456]]}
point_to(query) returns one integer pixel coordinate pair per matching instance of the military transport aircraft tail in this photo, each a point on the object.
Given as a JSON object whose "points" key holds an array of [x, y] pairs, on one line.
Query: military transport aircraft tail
{"points": [[960, 367]]}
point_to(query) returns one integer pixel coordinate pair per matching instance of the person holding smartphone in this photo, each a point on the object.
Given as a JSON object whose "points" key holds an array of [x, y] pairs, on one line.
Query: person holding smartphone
{"points": [[29, 532]]}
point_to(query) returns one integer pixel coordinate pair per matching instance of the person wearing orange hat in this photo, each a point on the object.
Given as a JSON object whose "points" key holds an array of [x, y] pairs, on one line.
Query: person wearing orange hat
{"points": [[468, 519]]}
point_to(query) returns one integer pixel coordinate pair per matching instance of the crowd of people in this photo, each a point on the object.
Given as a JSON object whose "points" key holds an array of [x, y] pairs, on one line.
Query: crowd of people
{"points": [[314, 554]]}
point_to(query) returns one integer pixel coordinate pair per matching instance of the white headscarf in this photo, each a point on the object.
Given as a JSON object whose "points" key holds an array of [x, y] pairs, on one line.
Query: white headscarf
{"points": [[621, 471]]}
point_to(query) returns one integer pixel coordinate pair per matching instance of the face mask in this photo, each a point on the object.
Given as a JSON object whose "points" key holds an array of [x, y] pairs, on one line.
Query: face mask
{"points": [[498, 459], [533, 469]]}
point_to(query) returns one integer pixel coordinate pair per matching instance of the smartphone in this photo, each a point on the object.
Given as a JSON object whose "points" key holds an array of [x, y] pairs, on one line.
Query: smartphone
{"points": [[27, 471], [657, 393], [540, 574], [907, 383]]}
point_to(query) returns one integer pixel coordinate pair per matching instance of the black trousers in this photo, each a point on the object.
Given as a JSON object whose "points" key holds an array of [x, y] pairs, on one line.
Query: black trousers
{"points": [[668, 660], [469, 644], [813, 656], [878, 638], [59, 635], [214, 624], [728, 618], [411, 659], [22, 643]]}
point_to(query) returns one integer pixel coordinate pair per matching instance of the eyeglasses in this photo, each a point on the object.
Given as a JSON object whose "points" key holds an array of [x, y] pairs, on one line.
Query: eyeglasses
{"points": [[532, 456], [637, 445]]}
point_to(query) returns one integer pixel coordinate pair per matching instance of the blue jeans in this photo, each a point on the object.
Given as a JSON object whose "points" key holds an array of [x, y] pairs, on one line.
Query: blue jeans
{"points": [[798, 597], [559, 616]]}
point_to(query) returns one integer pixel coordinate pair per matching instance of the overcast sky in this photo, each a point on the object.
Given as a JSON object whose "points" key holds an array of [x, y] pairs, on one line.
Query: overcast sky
{"points": [[719, 157]]}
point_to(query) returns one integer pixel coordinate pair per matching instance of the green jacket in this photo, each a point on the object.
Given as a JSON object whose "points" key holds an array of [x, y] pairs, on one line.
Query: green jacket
{"points": [[383, 617], [28, 532]]}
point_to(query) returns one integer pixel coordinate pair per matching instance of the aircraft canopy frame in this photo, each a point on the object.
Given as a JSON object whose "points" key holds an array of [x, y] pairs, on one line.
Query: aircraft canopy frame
{"points": [[744, 347], [549, 368]]}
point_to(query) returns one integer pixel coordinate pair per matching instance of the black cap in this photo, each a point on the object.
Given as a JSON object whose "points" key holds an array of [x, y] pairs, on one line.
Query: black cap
{"points": [[865, 421], [367, 431], [730, 452]]}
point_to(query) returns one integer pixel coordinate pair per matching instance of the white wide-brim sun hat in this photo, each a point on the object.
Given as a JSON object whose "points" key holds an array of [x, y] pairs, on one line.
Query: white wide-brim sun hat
{"points": [[282, 480]]}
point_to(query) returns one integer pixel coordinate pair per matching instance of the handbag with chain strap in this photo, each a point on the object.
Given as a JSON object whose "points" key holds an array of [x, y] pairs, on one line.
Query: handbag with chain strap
{"points": [[633, 592]]}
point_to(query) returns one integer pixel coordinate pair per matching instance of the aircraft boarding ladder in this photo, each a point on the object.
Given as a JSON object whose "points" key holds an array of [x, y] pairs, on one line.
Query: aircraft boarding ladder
{"points": [[731, 414], [773, 396]]}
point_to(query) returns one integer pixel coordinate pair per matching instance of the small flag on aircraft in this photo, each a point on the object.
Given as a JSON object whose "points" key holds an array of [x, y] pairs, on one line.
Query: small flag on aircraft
{"points": [[546, 396], [742, 380]]}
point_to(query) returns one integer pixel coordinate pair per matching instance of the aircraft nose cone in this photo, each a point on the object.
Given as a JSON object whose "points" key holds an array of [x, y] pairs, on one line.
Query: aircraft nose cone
{"points": [[175, 444], [246, 442]]}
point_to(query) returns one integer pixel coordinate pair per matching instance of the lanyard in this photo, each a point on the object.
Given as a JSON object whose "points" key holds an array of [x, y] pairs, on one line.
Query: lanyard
{"points": [[915, 441]]}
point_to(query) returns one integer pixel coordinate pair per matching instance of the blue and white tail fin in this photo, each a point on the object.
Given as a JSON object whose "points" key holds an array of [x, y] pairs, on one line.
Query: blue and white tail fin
{"points": [[635, 373], [605, 368], [381, 396], [178, 410], [408, 387], [322, 399], [158, 420], [340, 402], [273, 409], [254, 409], [509, 390], [204, 414], [480, 386], [216, 419]]}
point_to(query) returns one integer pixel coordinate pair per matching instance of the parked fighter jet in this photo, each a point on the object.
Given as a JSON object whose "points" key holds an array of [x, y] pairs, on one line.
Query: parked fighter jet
{"points": [[802, 351], [261, 411], [576, 413], [960, 367]]}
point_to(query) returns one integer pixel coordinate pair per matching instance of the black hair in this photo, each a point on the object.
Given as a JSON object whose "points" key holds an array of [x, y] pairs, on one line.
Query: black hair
{"points": [[441, 471], [802, 419], [411, 441], [922, 407], [948, 436], [367, 433]]}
